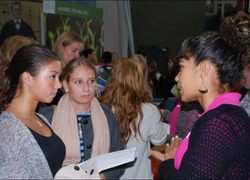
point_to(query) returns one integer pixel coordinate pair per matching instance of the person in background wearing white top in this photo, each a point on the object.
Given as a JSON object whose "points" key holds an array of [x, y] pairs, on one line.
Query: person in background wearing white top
{"points": [[138, 118]]}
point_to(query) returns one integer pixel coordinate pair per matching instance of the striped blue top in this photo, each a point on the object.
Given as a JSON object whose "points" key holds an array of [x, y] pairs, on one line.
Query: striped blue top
{"points": [[79, 119]]}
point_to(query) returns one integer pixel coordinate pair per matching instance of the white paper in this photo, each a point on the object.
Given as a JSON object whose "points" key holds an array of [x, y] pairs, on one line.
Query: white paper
{"points": [[112, 159]]}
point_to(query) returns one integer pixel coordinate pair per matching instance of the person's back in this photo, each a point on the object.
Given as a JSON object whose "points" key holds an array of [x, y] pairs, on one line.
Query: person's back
{"points": [[152, 131], [139, 119], [105, 70]]}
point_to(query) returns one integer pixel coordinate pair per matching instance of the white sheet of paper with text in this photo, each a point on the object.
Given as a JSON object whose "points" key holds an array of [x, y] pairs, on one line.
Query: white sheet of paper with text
{"points": [[113, 159]]}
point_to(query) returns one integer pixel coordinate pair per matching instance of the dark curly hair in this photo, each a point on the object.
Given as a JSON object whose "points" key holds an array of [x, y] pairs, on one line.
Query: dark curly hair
{"points": [[235, 31], [225, 49]]}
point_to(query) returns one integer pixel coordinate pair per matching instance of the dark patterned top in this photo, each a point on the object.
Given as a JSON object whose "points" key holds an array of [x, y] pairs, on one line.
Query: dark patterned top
{"points": [[218, 147]]}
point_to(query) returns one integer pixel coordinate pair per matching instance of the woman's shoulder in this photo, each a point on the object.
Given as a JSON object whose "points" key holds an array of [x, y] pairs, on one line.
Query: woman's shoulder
{"points": [[149, 108], [107, 111], [228, 117], [229, 109], [225, 112], [105, 107], [8, 119], [151, 113], [11, 126]]}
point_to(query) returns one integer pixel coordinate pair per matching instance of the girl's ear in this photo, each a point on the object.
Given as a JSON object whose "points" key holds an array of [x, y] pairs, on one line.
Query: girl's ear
{"points": [[65, 85], [205, 67], [27, 78]]}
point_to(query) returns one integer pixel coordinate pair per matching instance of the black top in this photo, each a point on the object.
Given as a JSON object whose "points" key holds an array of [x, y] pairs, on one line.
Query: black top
{"points": [[53, 149], [218, 147]]}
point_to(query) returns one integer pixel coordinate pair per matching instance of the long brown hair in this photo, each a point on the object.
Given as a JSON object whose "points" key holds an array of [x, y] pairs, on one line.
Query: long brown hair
{"points": [[125, 92]]}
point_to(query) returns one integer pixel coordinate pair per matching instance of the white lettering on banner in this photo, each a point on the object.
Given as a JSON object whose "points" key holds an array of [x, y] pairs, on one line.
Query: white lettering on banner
{"points": [[80, 11], [65, 9], [84, 12], [72, 10]]}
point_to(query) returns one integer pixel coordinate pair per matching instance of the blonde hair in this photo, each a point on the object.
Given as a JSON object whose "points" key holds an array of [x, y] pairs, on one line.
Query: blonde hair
{"points": [[11, 46], [140, 59], [65, 39], [126, 91]]}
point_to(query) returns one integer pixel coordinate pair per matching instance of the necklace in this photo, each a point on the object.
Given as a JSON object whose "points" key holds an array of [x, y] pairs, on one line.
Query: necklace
{"points": [[33, 119]]}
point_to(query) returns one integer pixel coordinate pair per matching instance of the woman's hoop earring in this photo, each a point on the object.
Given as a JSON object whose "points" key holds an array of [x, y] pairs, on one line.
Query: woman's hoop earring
{"points": [[203, 89]]}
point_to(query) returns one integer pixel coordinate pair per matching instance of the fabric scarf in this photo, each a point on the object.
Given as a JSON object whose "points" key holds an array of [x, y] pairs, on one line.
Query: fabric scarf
{"points": [[64, 124]]}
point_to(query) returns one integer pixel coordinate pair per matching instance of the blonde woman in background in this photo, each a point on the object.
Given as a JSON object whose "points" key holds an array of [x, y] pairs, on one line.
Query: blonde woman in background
{"points": [[142, 62], [67, 46], [11, 46]]}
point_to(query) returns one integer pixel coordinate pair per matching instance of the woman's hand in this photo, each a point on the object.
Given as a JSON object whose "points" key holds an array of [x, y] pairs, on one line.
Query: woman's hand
{"points": [[157, 155], [169, 151], [172, 148]]}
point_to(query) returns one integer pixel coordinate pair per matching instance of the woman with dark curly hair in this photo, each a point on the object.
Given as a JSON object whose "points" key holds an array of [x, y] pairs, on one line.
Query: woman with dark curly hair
{"points": [[218, 145]]}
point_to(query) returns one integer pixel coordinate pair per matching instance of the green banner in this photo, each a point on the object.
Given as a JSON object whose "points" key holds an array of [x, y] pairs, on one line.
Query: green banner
{"points": [[72, 9]]}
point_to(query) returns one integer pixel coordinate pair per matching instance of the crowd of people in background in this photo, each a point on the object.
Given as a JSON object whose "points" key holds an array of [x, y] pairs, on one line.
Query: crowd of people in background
{"points": [[52, 113]]}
